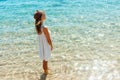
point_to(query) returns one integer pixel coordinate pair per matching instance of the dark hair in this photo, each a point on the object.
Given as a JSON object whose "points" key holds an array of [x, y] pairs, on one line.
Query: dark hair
{"points": [[37, 17]]}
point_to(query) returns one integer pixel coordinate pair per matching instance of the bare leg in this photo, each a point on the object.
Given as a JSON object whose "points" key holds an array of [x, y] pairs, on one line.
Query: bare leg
{"points": [[45, 66]]}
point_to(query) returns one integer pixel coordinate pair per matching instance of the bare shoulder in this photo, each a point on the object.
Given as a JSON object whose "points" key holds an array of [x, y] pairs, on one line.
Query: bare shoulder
{"points": [[45, 28]]}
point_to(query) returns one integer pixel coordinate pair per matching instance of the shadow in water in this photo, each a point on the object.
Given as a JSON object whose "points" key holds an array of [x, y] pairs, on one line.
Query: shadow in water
{"points": [[43, 77]]}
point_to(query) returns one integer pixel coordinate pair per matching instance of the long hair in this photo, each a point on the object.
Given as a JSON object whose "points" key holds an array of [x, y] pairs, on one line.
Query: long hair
{"points": [[38, 23]]}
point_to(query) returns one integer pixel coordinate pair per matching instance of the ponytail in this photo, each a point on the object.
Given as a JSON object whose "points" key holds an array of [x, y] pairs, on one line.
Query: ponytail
{"points": [[38, 24]]}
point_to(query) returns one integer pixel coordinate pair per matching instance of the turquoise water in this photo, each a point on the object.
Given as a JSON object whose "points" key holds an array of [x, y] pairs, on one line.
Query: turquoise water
{"points": [[87, 20], [59, 12]]}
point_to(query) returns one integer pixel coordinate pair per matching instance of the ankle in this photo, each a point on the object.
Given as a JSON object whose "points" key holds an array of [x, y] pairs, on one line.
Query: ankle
{"points": [[46, 71]]}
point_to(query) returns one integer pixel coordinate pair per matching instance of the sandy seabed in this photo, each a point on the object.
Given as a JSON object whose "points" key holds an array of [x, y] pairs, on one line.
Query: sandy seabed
{"points": [[63, 66]]}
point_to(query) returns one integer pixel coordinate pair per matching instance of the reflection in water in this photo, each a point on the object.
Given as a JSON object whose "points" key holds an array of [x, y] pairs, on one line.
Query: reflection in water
{"points": [[43, 77], [100, 70], [97, 69]]}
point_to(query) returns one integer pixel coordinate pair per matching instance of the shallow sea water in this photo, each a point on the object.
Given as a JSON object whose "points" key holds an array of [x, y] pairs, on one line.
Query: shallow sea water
{"points": [[85, 35]]}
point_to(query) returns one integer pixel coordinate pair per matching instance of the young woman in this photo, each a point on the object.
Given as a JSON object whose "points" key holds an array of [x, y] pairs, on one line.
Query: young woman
{"points": [[45, 43]]}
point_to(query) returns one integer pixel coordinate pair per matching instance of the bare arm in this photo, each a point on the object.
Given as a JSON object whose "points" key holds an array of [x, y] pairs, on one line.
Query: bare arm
{"points": [[48, 37]]}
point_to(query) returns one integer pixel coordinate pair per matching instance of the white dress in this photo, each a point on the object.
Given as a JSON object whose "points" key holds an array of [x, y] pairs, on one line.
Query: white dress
{"points": [[44, 47]]}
